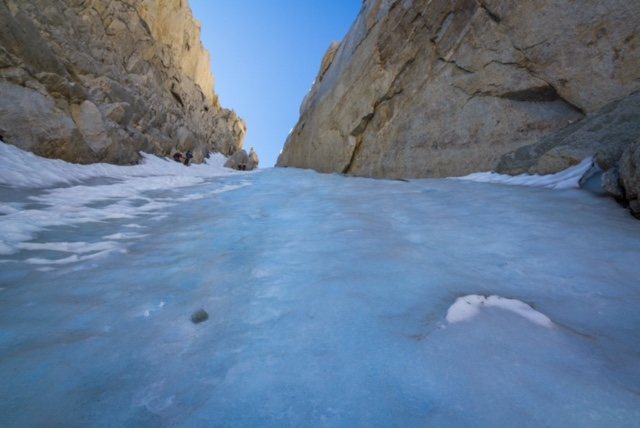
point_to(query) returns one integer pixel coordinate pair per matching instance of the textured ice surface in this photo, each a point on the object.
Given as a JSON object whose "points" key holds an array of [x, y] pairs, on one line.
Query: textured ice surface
{"points": [[327, 299]]}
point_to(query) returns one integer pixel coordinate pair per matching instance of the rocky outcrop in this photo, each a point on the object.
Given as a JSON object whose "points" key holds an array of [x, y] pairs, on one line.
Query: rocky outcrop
{"points": [[606, 134], [242, 161], [628, 172], [433, 88], [611, 135], [618, 176], [99, 81]]}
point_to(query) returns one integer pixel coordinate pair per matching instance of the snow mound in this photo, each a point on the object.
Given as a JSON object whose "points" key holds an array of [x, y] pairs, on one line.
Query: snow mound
{"points": [[567, 179], [467, 307], [23, 169]]}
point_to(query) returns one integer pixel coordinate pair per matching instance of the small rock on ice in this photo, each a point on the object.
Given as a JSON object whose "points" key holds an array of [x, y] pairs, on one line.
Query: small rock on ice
{"points": [[199, 316]]}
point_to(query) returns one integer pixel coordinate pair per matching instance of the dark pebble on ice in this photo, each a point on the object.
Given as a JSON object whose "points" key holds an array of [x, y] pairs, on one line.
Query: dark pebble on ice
{"points": [[199, 316]]}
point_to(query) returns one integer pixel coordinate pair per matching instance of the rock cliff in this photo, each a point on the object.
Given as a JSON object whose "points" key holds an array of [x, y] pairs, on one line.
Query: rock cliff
{"points": [[611, 135], [97, 81], [434, 88]]}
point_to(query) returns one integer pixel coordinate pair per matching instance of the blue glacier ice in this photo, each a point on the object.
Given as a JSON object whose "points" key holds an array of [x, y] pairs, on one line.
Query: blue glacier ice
{"points": [[332, 301]]}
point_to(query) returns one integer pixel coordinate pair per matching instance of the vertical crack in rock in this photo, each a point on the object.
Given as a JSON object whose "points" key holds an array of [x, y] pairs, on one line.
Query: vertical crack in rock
{"points": [[359, 130], [455, 28], [354, 153], [494, 17]]}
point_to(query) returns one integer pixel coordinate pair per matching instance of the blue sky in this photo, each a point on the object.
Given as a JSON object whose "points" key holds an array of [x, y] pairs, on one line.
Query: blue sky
{"points": [[265, 56]]}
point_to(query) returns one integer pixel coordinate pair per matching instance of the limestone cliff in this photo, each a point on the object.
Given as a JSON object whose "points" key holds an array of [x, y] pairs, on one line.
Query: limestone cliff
{"points": [[94, 80], [433, 88]]}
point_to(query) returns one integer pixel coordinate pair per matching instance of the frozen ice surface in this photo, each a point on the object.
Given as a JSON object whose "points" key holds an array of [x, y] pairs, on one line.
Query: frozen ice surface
{"points": [[327, 299]]}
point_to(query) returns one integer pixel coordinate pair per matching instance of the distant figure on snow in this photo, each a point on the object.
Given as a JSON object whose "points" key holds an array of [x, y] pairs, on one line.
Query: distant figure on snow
{"points": [[178, 157], [187, 159]]}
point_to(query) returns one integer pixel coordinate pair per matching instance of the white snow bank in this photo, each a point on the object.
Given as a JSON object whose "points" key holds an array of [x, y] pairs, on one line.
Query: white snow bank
{"points": [[567, 179], [469, 306], [69, 200], [24, 169]]}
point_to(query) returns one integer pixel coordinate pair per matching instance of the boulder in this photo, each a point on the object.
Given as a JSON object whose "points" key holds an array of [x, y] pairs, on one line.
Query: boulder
{"points": [[32, 121], [630, 177], [89, 121], [609, 135], [611, 184], [604, 134], [242, 161], [254, 160]]}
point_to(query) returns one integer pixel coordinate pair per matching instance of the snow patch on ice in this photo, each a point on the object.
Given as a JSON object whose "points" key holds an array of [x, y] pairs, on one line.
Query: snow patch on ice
{"points": [[123, 236], [71, 259], [148, 310], [121, 192], [69, 247], [567, 179], [153, 398], [467, 307]]}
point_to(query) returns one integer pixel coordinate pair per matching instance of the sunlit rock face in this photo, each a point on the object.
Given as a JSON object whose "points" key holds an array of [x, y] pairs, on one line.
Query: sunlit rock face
{"points": [[433, 88], [98, 81]]}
